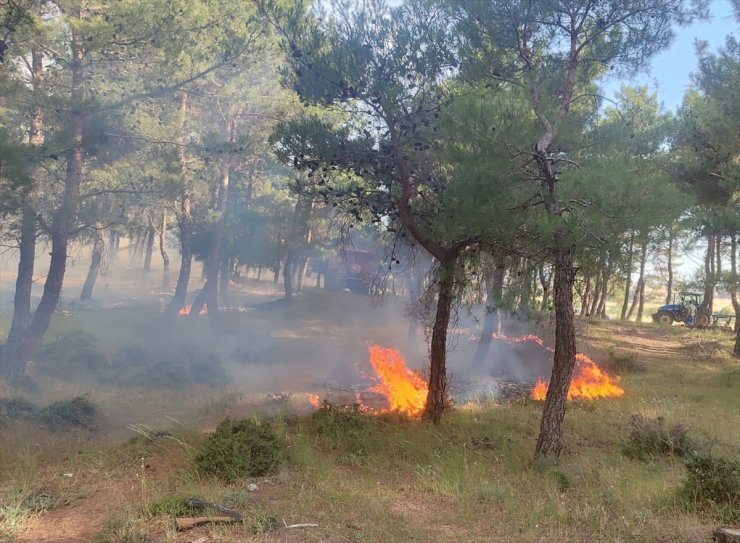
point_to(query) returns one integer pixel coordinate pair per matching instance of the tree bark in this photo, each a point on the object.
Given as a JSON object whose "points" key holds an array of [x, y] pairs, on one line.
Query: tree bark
{"points": [[437, 395], [150, 233], [628, 278], [641, 300], [593, 311], [550, 441], [734, 280], [705, 309], [669, 283], [163, 252], [184, 221], [63, 223], [96, 258], [492, 320], [585, 295], [545, 280], [288, 275]]}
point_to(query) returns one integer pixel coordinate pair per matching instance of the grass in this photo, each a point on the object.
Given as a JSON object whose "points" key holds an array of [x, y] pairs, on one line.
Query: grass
{"points": [[385, 478]]}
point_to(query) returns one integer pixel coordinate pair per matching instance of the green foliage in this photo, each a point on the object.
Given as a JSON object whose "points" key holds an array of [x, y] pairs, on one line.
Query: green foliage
{"points": [[240, 449], [169, 506], [16, 408], [713, 486], [79, 412], [341, 427], [649, 439], [122, 530]]}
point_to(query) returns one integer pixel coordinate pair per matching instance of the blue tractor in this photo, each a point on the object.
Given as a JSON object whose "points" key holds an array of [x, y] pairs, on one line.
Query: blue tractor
{"points": [[676, 311]]}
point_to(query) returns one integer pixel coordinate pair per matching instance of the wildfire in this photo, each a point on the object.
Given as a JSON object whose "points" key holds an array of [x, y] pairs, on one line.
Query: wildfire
{"points": [[405, 390], [521, 339], [314, 400], [589, 382], [185, 311]]}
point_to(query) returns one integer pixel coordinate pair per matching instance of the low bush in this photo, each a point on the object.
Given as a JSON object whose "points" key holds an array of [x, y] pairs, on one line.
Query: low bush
{"points": [[713, 486], [78, 412], [16, 409], [240, 449], [169, 506], [71, 355], [649, 438], [342, 427]]}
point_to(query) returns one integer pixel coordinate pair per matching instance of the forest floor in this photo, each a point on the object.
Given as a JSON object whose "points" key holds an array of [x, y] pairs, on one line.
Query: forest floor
{"points": [[470, 479]]}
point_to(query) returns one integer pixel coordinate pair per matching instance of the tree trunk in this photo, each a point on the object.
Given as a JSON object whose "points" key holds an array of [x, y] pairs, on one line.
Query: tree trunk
{"points": [[643, 260], [585, 296], [63, 223], [437, 395], [545, 280], [669, 284], [593, 311], [734, 280], [24, 280], [96, 258], [225, 276], [288, 275], [163, 252], [628, 278], [550, 441], [601, 308], [492, 320], [184, 221], [705, 308], [150, 233]]}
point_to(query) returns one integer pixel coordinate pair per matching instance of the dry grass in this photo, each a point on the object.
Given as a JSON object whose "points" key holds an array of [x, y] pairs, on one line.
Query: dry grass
{"points": [[470, 479]]}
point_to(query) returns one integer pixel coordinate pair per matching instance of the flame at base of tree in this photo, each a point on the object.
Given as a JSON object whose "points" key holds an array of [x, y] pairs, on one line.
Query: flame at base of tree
{"points": [[185, 311], [589, 382], [404, 389]]}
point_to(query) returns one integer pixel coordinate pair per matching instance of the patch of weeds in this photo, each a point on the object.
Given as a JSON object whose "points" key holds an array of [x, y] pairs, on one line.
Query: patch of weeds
{"points": [[624, 362], [169, 506], [342, 427], [122, 530], [240, 449], [713, 486], [562, 479], [71, 355], [261, 523], [79, 412], [649, 438]]}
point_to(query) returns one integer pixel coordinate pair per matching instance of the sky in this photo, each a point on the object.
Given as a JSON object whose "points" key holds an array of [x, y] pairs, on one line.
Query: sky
{"points": [[670, 72]]}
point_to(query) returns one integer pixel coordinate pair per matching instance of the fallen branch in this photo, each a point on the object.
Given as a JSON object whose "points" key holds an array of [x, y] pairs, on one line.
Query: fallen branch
{"points": [[187, 523], [304, 525]]}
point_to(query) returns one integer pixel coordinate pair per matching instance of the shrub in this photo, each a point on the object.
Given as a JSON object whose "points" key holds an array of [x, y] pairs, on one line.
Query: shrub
{"points": [[70, 355], [649, 438], [169, 506], [65, 414], [343, 427], [240, 449], [17, 408], [713, 486]]}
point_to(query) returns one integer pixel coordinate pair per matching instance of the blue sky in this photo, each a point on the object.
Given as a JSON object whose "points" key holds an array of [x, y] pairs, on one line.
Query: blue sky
{"points": [[670, 72]]}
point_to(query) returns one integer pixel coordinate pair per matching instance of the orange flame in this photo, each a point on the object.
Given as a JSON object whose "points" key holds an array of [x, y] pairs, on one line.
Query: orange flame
{"points": [[590, 382], [314, 400], [185, 311], [405, 390]]}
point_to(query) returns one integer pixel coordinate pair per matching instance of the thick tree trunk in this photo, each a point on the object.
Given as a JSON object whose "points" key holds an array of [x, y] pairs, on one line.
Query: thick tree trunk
{"points": [[96, 259], [669, 283], [163, 252], [437, 395], [63, 223], [550, 441], [628, 278], [492, 320]]}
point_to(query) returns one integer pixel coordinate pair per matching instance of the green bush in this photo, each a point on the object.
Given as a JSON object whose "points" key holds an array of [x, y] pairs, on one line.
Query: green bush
{"points": [[713, 486], [169, 506], [343, 427], [65, 414], [649, 438], [16, 409], [240, 449]]}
